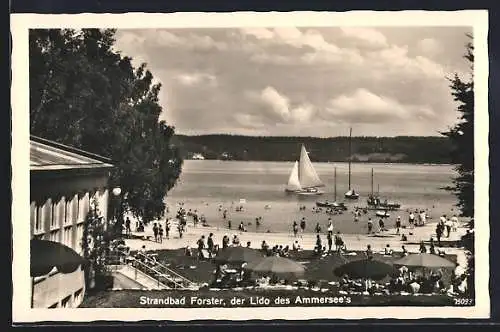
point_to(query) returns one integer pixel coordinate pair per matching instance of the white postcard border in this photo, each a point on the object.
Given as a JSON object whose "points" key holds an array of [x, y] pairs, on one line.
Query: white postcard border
{"points": [[20, 23]]}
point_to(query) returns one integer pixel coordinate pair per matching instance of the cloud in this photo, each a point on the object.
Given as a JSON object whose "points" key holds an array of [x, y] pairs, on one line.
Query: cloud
{"points": [[316, 50], [429, 46], [346, 56], [395, 60], [293, 37], [275, 59], [190, 79], [249, 121], [303, 81], [190, 41], [259, 33], [368, 36], [159, 38], [278, 107], [363, 106]]}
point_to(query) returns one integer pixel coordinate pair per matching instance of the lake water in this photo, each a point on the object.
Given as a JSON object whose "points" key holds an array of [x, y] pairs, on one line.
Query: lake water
{"points": [[205, 184]]}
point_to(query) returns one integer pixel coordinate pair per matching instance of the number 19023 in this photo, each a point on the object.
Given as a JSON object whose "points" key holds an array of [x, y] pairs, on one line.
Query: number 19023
{"points": [[463, 301]]}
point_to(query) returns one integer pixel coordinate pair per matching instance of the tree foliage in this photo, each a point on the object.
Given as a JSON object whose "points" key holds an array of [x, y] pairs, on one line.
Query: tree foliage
{"points": [[462, 137], [85, 94]]}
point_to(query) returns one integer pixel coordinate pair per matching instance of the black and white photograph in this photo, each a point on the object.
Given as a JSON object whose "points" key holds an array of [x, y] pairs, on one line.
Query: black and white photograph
{"points": [[250, 166]]}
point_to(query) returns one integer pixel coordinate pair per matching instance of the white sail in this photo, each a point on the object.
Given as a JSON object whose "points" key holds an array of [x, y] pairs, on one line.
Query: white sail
{"points": [[307, 174], [293, 181]]}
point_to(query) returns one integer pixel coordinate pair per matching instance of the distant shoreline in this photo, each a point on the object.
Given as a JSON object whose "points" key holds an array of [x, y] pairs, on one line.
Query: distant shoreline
{"points": [[431, 150], [327, 162]]}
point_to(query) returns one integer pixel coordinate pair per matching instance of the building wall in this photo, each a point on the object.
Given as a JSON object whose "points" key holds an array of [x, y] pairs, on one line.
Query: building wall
{"points": [[58, 209], [61, 219], [57, 213], [59, 290]]}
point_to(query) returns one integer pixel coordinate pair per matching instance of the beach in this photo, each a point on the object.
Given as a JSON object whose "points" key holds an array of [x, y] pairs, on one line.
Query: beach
{"points": [[307, 240]]}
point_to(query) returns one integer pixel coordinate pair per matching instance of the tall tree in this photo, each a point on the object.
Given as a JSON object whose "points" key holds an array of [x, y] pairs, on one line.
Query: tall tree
{"points": [[462, 137], [85, 94]]}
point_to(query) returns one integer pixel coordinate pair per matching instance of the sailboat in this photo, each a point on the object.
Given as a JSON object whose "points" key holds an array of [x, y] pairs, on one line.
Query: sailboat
{"points": [[350, 194], [333, 205], [375, 201], [303, 178]]}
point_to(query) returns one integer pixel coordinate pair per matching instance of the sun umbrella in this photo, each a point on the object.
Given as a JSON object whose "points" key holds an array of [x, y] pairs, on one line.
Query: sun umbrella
{"points": [[237, 255], [45, 255], [424, 260], [276, 265], [366, 268], [335, 260]]}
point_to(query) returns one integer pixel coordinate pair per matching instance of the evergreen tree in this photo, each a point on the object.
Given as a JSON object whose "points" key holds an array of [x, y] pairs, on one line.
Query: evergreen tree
{"points": [[462, 137], [85, 94]]}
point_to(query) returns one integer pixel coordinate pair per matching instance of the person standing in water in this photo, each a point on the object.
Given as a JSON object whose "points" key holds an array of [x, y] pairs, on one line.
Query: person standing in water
{"points": [[381, 225], [303, 224], [370, 225], [411, 219], [317, 228], [295, 228], [398, 224], [330, 226], [330, 241]]}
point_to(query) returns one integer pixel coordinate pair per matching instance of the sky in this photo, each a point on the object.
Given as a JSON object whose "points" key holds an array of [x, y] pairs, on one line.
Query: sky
{"points": [[299, 81]]}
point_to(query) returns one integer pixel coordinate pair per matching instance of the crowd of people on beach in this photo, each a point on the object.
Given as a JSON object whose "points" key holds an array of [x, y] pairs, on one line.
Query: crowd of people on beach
{"points": [[407, 282], [416, 218], [328, 241]]}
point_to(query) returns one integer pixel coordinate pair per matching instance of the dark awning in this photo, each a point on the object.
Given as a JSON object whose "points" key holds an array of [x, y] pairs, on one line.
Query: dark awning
{"points": [[45, 255]]}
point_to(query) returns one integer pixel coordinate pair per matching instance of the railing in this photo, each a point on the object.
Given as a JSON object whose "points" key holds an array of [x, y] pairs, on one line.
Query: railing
{"points": [[150, 272], [165, 277], [171, 277]]}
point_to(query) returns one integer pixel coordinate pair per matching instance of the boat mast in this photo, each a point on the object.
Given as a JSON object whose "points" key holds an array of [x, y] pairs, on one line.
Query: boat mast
{"points": [[372, 182], [335, 184], [378, 189], [350, 134]]}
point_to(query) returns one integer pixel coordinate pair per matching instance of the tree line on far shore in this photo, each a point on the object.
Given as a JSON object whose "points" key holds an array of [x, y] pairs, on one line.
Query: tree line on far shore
{"points": [[404, 149]]}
